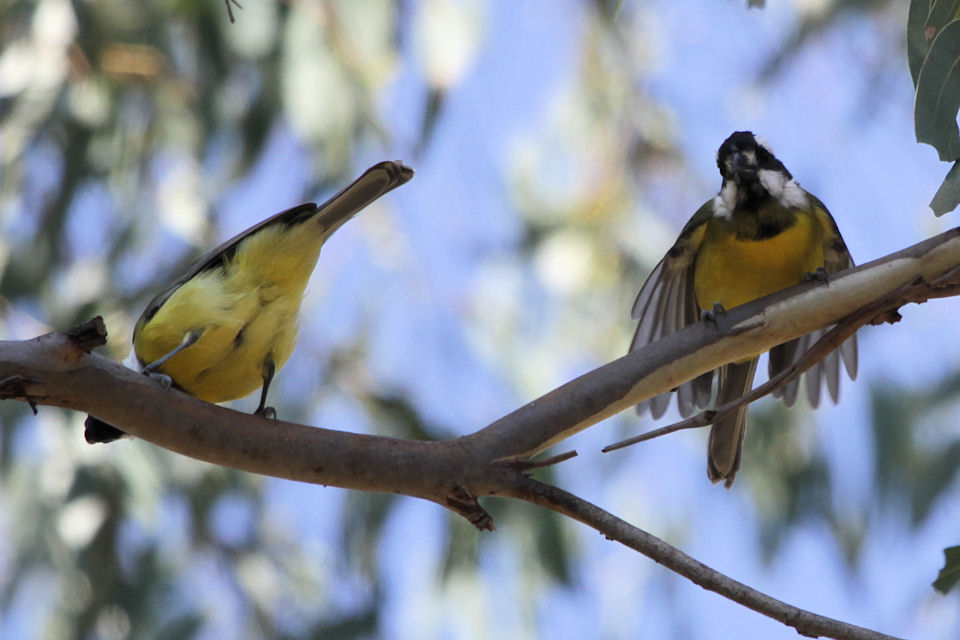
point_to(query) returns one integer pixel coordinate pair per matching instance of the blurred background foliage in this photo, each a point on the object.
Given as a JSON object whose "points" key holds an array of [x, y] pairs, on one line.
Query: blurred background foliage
{"points": [[134, 135]]}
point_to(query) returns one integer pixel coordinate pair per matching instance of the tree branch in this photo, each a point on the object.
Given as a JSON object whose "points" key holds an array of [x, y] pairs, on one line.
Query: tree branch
{"points": [[805, 622], [56, 370], [741, 332], [51, 370], [877, 312]]}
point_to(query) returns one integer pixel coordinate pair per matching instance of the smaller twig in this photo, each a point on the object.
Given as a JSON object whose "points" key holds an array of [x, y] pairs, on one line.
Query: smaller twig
{"points": [[702, 419], [526, 464], [946, 285], [15, 387], [804, 622], [823, 347], [90, 334], [230, 9], [463, 502], [877, 312], [943, 287]]}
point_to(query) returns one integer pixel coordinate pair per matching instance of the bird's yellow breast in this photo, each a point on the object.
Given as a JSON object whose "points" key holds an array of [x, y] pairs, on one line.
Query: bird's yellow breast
{"points": [[733, 271], [245, 312]]}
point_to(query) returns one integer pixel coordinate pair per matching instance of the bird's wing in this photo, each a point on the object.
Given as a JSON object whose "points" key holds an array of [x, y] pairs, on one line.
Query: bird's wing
{"points": [[375, 182], [666, 303], [836, 257]]}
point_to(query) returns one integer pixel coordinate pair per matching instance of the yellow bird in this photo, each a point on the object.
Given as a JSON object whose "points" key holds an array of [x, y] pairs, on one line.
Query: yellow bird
{"points": [[760, 234], [230, 322]]}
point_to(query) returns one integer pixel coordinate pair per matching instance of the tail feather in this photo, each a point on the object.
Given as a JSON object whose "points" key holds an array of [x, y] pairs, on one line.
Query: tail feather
{"points": [[726, 435], [96, 430]]}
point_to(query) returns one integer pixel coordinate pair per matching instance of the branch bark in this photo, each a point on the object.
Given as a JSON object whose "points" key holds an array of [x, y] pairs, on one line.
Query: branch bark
{"points": [[805, 622], [743, 331], [877, 312], [56, 370]]}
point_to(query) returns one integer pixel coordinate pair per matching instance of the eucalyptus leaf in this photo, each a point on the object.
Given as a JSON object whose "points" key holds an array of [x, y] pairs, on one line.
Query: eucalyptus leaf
{"points": [[917, 43], [948, 195], [950, 573], [183, 627], [941, 13], [938, 94]]}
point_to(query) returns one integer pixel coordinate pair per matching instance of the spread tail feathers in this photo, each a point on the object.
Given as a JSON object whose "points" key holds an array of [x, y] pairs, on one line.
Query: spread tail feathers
{"points": [[726, 435]]}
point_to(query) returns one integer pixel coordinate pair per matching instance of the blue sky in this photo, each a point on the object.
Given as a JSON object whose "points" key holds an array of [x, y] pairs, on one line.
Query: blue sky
{"points": [[431, 278], [855, 149]]}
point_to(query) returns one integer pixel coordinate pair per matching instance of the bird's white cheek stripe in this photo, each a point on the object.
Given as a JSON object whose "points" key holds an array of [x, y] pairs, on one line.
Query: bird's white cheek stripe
{"points": [[787, 192], [763, 143], [726, 200], [793, 195], [773, 182]]}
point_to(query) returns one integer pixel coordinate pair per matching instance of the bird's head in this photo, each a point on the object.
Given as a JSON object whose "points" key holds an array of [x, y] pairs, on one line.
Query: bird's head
{"points": [[743, 156], [751, 173]]}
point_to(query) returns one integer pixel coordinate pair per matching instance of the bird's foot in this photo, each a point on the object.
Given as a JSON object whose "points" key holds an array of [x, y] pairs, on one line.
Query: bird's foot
{"points": [[820, 275], [267, 412], [710, 316], [165, 381]]}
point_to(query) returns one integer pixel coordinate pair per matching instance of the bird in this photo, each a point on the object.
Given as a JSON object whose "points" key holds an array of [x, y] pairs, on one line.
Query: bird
{"points": [[761, 233], [226, 326]]}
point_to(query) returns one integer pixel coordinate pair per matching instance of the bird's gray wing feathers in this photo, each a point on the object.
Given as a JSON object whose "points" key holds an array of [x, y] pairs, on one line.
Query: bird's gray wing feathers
{"points": [[836, 258], [665, 304]]}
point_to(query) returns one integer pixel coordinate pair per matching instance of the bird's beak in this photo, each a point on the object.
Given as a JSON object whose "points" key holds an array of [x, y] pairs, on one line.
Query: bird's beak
{"points": [[745, 166]]}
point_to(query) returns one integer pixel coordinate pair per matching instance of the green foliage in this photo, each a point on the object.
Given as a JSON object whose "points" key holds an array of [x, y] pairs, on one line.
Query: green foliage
{"points": [[933, 53], [948, 195], [544, 533], [789, 478], [950, 573], [155, 110], [182, 628], [917, 42], [938, 93], [916, 458], [915, 462], [148, 90]]}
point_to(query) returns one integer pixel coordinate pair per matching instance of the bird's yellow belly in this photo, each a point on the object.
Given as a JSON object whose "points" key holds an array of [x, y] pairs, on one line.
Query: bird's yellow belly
{"points": [[226, 361], [731, 271], [224, 364], [244, 315]]}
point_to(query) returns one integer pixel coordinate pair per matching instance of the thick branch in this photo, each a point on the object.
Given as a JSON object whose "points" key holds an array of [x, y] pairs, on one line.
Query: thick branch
{"points": [[746, 330], [59, 375], [877, 312], [54, 370], [51, 371]]}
